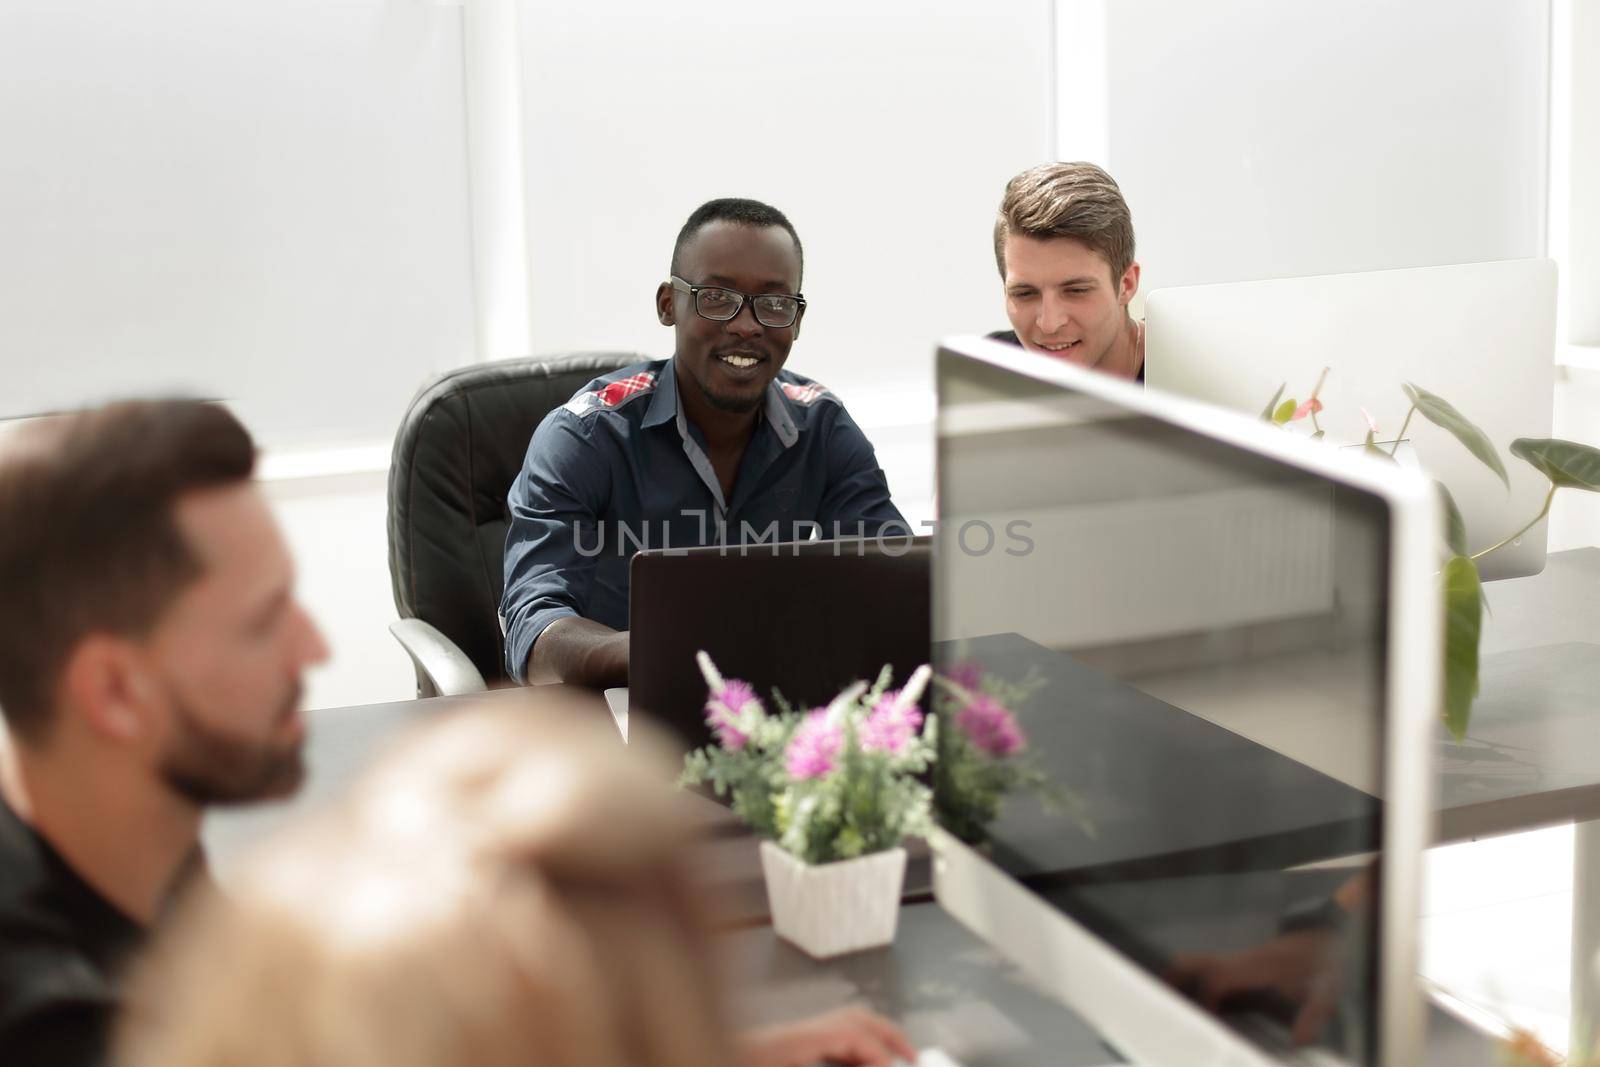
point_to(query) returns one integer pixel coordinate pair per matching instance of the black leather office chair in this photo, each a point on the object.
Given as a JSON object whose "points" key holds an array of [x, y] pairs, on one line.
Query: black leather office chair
{"points": [[459, 449]]}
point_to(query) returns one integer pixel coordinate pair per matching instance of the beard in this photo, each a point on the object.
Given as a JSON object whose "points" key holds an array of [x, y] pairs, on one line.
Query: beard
{"points": [[209, 766], [734, 405]]}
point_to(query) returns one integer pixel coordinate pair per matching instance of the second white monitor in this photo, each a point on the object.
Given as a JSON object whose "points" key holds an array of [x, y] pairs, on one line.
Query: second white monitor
{"points": [[1481, 335]]}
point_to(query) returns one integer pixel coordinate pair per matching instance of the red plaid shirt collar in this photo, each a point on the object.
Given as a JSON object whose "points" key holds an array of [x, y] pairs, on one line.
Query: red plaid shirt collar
{"points": [[782, 398]]}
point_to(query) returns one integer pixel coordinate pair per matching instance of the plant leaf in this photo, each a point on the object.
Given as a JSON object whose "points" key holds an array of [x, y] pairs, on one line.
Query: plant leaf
{"points": [[1463, 605], [1440, 412], [1455, 525], [1319, 435], [1272, 405], [1567, 464], [1285, 411]]}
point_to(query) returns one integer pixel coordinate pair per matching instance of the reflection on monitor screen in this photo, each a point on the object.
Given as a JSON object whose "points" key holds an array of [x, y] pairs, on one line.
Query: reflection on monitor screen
{"points": [[1191, 638]]}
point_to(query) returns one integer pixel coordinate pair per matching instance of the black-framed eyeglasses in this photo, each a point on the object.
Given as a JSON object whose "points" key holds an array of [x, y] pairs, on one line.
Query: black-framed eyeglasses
{"points": [[720, 304]]}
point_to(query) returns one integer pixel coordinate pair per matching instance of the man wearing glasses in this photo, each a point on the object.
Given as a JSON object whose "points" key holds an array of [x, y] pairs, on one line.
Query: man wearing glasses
{"points": [[717, 445]]}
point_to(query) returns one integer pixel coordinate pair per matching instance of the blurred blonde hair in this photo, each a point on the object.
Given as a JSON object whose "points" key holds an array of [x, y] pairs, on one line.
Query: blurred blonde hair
{"points": [[505, 888]]}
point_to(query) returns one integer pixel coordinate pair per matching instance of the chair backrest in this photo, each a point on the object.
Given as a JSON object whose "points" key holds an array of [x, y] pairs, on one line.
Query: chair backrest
{"points": [[459, 448]]}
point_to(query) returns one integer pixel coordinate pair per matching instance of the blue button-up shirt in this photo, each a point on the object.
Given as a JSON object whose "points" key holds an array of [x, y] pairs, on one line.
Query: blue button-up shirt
{"points": [[619, 468]]}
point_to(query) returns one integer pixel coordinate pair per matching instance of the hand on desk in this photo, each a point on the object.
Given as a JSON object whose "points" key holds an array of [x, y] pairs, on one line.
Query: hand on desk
{"points": [[852, 1036]]}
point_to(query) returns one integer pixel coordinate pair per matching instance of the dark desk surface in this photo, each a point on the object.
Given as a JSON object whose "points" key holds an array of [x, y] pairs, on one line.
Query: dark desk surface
{"points": [[953, 992], [1531, 760], [1166, 792], [949, 989]]}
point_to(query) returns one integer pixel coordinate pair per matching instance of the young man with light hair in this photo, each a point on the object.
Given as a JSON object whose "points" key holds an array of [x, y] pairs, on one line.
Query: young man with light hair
{"points": [[1063, 240]]}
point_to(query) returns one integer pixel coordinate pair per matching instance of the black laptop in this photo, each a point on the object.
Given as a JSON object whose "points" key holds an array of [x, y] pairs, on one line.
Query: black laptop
{"points": [[806, 617]]}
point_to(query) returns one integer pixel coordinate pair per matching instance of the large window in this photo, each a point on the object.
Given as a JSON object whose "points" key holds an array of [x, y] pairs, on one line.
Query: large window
{"points": [[262, 202]]}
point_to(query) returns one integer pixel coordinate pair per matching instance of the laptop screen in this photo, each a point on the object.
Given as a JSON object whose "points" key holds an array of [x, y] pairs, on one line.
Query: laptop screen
{"points": [[803, 618], [1163, 694]]}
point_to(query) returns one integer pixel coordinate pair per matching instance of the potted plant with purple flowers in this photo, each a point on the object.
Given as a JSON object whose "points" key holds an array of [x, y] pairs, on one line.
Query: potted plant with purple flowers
{"points": [[834, 790], [983, 755]]}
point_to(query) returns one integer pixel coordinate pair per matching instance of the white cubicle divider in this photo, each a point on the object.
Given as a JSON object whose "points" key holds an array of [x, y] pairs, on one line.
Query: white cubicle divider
{"points": [[1266, 140], [1479, 335]]}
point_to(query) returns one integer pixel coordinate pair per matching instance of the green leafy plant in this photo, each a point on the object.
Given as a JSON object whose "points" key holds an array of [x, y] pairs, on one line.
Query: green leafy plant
{"points": [[1566, 464], [826, 784]]}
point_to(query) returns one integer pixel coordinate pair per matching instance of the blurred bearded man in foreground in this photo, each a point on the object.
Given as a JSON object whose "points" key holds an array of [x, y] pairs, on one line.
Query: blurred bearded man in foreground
{"points": [[151, 653]]}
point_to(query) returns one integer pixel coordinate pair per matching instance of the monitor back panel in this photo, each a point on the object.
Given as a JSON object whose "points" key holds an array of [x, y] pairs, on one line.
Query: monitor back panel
{"points": [[804, 618], [1203, 639]]}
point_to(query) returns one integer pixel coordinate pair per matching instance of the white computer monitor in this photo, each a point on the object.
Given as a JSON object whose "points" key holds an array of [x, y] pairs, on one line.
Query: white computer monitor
{"points": [[1481, 335], [1198, 841]]}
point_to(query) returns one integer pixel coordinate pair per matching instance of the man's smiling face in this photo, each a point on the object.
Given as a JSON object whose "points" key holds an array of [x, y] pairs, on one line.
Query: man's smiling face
{"points": [[731, 363], [1062, 300]]}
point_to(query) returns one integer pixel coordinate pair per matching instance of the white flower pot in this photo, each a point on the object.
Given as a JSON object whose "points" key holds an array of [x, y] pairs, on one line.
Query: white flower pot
{"points": [[834, 908]]}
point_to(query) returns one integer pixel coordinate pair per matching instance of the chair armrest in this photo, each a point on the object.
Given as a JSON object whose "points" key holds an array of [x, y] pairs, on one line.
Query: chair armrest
{"points": [[444, 666]]}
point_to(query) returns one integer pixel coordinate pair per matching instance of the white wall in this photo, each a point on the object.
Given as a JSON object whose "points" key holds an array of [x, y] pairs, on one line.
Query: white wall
{"points": [[1261, 139], [885, 131], [1580, 57], [335, 530], [263, 202]]}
